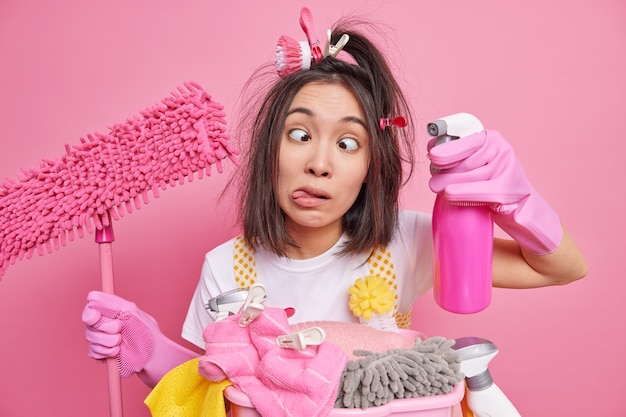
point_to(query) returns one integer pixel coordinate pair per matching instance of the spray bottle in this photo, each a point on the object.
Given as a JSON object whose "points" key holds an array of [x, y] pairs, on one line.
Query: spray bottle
{"points": [[462, 236], [484, 398]]}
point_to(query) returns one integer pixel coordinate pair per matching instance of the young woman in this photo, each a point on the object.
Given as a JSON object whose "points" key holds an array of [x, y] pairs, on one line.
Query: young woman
{"points": [[319, 208]]}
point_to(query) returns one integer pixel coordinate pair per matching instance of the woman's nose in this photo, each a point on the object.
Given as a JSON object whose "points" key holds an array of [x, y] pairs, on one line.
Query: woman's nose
{"points": [[320, 173], [320, 163]]}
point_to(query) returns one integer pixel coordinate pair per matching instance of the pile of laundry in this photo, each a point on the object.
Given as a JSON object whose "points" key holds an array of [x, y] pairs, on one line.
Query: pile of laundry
{"points": [[307, 369]]}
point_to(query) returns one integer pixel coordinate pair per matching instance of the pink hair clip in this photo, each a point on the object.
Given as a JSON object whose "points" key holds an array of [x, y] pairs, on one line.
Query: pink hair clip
{"points": [[293, 56], [399, 121], [306, 22]]}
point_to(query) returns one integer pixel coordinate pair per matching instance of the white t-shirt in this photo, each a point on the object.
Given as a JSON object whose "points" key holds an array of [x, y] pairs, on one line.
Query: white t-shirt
{"points": [[318, 287]]}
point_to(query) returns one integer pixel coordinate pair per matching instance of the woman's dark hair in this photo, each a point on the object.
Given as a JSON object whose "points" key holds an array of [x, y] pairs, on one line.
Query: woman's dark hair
{"points": [[372, 219]]}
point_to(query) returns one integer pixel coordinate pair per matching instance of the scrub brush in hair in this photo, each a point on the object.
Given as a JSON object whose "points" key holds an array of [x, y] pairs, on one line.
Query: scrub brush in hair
{"points": [[293, 56], [109, 174]]}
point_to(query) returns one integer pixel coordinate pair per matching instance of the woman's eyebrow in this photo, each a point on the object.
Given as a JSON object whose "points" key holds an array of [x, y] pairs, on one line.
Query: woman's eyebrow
{"points": [[353, 119], [308, 112], [303, 110]]}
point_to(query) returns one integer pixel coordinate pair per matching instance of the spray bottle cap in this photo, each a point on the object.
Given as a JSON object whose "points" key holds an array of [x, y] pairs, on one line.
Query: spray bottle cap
{"points": [[456, 125], [475, 354]]}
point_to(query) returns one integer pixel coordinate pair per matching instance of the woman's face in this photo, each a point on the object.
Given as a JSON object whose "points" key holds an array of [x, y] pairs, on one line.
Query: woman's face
{"points": [[324, 157]]}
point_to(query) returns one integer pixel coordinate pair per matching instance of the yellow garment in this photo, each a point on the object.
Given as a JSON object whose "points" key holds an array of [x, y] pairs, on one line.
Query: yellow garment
{"points": [[183, 392]]}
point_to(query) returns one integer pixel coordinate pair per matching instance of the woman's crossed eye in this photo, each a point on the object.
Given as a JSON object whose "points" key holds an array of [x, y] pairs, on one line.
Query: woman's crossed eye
{"points": [[348, 144], [299, 135]]}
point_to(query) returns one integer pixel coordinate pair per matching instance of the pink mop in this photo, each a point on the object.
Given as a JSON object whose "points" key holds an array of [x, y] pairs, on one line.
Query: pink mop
{"points": [[105, 175]]}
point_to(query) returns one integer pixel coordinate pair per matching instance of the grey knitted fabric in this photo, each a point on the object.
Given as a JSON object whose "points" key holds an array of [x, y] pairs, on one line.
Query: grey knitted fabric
{"points": [[430, 367]]}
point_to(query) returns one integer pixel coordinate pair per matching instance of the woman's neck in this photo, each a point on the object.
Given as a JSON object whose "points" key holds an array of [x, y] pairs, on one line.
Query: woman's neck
{"points": [[312, 241]]}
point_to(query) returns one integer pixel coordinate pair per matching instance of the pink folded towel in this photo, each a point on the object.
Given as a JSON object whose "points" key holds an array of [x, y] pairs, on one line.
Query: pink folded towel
{"points": [[279, 381]]}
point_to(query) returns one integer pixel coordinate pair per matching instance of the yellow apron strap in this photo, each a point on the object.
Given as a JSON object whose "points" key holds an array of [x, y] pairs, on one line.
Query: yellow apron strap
{"points": [[380, 264], [243, 264]]}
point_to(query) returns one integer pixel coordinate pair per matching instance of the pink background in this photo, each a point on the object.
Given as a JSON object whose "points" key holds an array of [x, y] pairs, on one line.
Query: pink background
{"points": [[548, 74]]}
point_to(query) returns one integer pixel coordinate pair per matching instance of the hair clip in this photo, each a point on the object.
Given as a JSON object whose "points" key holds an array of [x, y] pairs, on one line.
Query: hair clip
{"points": [[333, 50], [300, 340], [399, 121], [306, 22]]}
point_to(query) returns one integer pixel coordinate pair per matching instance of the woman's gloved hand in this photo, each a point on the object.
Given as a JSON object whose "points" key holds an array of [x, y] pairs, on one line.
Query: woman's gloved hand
{"points": [[117, 328], [482, 169]]}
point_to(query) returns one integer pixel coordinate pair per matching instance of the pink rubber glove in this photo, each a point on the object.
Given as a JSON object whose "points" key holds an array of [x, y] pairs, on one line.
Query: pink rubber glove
{"points": [[482, 169], [117, 328]]}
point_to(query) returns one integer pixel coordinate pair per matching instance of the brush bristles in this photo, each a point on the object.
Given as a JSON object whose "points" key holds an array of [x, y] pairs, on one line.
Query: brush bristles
{"points": [[108, 174], [291, 56]]}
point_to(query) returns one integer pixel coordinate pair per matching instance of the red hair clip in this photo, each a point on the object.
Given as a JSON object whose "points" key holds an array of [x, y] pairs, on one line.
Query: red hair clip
{"points": [[399, 121]]}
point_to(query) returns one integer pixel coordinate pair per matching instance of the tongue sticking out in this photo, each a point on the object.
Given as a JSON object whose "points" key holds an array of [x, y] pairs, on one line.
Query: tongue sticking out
{"points": [[304, 194], [308, 199], [307, 194]]}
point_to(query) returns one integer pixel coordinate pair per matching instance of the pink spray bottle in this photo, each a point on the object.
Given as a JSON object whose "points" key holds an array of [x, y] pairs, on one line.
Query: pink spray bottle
{"points": [[462, 236]]}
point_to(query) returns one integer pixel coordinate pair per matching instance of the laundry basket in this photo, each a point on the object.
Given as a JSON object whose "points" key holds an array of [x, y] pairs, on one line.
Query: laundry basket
{"points": [[431, 406]]}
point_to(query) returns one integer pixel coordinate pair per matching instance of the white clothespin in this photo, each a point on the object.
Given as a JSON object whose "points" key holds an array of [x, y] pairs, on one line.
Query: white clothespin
{"points": [[300, 340], [253, 306], [333, 50]]}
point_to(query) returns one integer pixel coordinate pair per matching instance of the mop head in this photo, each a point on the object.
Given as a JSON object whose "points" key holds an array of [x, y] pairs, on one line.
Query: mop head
{"points": [[430, 367], [110, 174]]}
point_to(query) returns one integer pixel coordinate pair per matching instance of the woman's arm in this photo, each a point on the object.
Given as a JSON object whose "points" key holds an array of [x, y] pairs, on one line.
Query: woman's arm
{"points": [[482, 169], [514, 267]]}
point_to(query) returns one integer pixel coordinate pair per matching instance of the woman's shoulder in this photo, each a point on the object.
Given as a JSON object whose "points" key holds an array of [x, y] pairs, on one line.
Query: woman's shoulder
{"points": [[222, 251], [414, 231], [217, 269], [412, 219]]}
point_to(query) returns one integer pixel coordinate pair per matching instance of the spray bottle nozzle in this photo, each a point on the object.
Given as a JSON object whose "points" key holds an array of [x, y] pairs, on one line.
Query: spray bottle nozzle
{"points": [[456, 125], [438, 127], [473, 347], [475, 354]]}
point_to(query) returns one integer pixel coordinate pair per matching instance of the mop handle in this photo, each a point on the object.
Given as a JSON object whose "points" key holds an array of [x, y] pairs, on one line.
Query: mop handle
{"points": [[104, 238]]}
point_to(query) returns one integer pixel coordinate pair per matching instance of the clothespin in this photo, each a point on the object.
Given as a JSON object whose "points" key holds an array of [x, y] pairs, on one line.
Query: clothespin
{"points": [[253, 306], [300, 340], [333, 50]]}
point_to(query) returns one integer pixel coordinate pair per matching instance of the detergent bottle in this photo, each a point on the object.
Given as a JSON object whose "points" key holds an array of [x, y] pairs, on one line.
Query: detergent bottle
{"points": [[462, 236], [483, 397]]}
